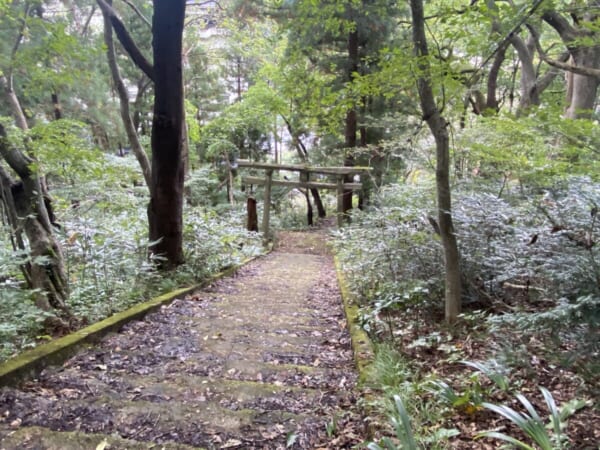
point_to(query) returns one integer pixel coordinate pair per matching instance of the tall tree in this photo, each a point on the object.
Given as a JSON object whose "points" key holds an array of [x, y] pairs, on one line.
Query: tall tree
{"points": [[580, 37], [165, 211], [23, 198], [439, 129]]}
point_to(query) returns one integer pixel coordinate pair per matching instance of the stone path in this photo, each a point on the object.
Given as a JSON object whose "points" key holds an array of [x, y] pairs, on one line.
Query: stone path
{"points": [[261, 360]]}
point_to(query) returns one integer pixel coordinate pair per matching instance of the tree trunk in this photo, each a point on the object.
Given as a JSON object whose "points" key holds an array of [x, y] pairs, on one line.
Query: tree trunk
{"points": [[583, 89], [438, 127], [309, 209], [56, 106], [165, 211], [491, 102], [303, 155], [529, 93], [130, 128], [230, 186], [13, 101], [318, 203], [12, 220], [47, 274], [142, 87], [351, 120], [584, 77]]}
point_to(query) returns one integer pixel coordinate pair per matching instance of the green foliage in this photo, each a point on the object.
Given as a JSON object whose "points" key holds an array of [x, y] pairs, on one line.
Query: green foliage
{"points": [[202, 188], [411, 416], [242, 129], [534, 427], [548, 285], [63, 149], [494, 371], [535, 149], [106, 249], [402, 428], [104, 239], [20, 319], [569, 332]]}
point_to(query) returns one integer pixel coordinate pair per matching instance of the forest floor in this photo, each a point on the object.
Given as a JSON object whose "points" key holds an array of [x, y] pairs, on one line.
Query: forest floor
{"points": [[260, 360]]}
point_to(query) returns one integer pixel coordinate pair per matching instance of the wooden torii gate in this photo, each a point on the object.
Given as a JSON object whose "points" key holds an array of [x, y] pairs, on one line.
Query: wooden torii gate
{"points": [[305, 172]]}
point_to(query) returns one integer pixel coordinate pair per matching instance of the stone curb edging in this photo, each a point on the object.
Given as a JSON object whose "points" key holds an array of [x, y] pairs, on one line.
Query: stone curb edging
{"points": [[30, 363], [361, 344]]}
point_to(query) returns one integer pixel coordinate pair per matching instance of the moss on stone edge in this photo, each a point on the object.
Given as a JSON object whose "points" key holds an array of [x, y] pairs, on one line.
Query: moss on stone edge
{"points": [[38, 437], [361, 344], [32, 362]]}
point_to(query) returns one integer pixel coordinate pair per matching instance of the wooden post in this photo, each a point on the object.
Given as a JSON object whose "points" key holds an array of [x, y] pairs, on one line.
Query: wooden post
{"points": [[340, 201], [267, 206], [252, 222]]}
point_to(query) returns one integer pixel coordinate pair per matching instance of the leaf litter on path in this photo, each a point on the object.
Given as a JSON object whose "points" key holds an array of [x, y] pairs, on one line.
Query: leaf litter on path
{"points": [[260, 360]]}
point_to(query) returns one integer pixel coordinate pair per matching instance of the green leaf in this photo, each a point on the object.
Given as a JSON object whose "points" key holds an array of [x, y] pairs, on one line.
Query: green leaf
{"points": [[291, 439], [505, 437]]}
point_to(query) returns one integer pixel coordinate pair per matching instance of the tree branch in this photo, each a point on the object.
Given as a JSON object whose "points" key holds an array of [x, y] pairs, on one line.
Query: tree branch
{"points": [[580, 70], [132, 135], [126, 40], [208, 2], [545, 80], [88, 21], [138, 12], [509, 36], [567, 33], [14, 157]]}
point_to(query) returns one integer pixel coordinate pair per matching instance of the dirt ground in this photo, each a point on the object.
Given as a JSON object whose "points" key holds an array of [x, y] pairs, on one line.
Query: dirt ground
{"points": [[261, 360]]}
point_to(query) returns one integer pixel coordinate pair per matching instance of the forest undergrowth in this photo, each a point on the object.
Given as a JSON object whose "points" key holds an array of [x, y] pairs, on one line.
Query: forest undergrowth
{"points": [[522, 364], [102, 227]]}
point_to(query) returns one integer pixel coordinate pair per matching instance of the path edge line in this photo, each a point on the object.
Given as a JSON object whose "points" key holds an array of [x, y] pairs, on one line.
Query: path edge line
{"points": [[30, 363], [362, 347]]}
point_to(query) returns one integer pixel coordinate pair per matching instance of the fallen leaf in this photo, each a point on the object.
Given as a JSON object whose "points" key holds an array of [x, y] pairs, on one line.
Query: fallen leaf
{"points": [[231, 443], [16, 423], [102, 445]]}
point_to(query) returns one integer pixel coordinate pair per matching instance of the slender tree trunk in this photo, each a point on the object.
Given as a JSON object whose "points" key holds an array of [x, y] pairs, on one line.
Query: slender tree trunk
{"points": [[13, 102], [309, 209], [438, 127], [351, 119], [230, 186], [185, 141], [56, 106], [529, 95], [318, 203], [142, 87], [130, 129], [491, 102], [165, 211], [303, 155]]}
